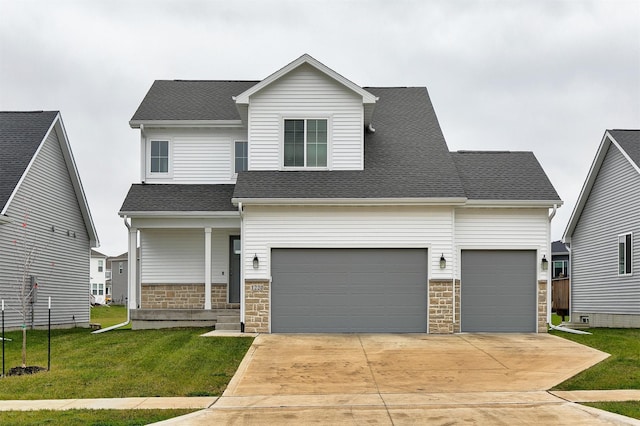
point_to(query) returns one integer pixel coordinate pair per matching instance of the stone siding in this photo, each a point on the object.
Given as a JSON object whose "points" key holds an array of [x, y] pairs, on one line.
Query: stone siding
{"points": [[219, 298], [257, 306], [441, 307], [172, 296], [542, 306]]}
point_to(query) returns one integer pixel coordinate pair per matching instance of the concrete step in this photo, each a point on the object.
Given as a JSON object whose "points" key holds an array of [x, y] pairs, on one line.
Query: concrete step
{"points": [[228, 326], [229, 318], [575, 325]]}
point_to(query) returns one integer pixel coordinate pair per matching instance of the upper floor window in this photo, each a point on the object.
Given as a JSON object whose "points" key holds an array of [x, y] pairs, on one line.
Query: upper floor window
{"points": [[120, 267], [100, 265], [241, 157], [305, 143], [159, 156], [624, 254], [559, 268]]}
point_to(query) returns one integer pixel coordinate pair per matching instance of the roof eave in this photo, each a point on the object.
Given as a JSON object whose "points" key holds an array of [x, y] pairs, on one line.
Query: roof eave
{"points": [[179, 214], [135, 124], [351, 201], [515, 203]]}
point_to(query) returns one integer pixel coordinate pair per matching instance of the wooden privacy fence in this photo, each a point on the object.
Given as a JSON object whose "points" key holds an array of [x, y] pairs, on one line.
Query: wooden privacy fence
{"points": [[560, 296]]}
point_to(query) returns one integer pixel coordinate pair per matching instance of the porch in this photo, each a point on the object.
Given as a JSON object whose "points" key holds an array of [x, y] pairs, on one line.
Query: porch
{"points": [[220, 319]]}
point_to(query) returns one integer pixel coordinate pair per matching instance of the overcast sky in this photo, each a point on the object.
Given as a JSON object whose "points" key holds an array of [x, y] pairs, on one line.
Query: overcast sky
{"points": [[541, 76]]}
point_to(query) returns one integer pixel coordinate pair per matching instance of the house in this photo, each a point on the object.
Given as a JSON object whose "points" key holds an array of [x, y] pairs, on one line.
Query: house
{"points": [[603, 232], [43, 211], [119, 283], [306, 203], [560, 263], [98, 276]]}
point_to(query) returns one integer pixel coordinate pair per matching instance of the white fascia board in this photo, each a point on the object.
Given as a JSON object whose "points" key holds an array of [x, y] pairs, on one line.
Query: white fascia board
{"points": [[514, 203], [586, 187], [178, 215], [76, 182], [367, 98], [135, 124], [352, 201]]}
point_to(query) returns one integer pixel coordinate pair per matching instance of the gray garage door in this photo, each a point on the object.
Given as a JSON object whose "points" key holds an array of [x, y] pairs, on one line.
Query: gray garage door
{"points": [[498, 291], [348, 290]]}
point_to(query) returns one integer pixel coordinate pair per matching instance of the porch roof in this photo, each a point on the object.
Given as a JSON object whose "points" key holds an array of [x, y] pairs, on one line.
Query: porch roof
{"points": [[178, 198]]}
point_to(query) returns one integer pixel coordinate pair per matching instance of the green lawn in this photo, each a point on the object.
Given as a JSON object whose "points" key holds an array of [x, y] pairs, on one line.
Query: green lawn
{"points": [[123, 363], [88, 417], [108, 315], [620, 371]]}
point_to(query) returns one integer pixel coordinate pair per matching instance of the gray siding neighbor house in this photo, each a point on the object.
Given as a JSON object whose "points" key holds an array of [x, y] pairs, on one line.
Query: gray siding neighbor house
{"points": [[119, 283], [604, 234], [304, 202], [43, 209]]}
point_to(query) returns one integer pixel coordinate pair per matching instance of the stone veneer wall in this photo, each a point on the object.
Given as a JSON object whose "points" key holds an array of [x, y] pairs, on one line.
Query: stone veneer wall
{"points": [[257, 306], [441, 312], [183, 296], [172, 296], [542, 306]]}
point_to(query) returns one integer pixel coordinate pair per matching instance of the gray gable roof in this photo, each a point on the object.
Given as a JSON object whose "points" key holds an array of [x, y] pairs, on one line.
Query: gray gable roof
{"points": [[503, 175], [21, 133], [406, 157], [191, 100], [558, 247], [629, 140], [178, 198]]}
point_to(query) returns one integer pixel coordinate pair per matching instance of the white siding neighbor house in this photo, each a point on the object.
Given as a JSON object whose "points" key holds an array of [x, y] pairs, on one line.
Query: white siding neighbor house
{"points": [[43, 211], [306, 203], [604, 234], [98, 278]]}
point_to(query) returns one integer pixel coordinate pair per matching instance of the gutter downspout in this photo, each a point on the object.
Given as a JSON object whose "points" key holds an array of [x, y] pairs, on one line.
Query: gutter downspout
{"points": [[122, 324]]}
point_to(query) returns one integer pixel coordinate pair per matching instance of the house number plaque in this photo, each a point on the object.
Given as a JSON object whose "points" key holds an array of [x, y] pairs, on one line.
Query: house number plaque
{"points": [[257, 287]]}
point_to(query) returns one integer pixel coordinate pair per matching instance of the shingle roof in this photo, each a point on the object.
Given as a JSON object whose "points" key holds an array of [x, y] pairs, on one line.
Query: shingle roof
{"points": [[407, 157], [558, 247], [191, 100], [20, 136], [629, 140], [503, 175], [178, 198]]}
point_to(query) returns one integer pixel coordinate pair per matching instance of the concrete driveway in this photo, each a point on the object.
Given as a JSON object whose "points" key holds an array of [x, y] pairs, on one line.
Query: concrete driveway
{"points": [[404, 379]]}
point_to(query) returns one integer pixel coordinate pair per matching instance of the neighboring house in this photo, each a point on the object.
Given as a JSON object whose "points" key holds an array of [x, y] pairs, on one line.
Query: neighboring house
{"points": [[119, 278], [98, 276], [560, 263], [604, 234], [306, 203], [43, 209]]}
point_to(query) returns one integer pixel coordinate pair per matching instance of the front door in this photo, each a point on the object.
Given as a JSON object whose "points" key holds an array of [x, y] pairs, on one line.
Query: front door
{"points": [[234, 269]]}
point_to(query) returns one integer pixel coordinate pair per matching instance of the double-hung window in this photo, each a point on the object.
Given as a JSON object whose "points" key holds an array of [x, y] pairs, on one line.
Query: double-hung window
{"points": [[624, 254], [559, 268], [241, 157], [305, 143], [159, 157], [100, 266]]}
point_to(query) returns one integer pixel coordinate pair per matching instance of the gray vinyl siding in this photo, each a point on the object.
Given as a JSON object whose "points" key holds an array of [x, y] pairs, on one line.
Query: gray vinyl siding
{"points": [[613, 208], [46, 198]]}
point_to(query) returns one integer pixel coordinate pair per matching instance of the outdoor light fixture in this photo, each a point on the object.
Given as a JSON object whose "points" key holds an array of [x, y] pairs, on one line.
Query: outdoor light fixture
{"points": [[545, 263], [443, 261], [256, 262]]}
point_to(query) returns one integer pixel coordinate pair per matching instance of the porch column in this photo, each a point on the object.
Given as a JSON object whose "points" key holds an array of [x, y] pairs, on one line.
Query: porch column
{"points": [[133, 270], [207, 268]]}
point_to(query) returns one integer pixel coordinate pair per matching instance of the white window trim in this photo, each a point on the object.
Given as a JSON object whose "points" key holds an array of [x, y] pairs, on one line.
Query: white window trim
{"points": [[234, 173], [306, 117], [618, 254], [151, 174]]}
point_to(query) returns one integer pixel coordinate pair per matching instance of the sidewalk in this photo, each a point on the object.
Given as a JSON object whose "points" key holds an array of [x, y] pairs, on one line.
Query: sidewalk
{"points": [[109, 404]]}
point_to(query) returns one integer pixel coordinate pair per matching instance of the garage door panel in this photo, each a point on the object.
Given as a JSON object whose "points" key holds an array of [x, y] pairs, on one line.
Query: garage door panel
{"points": [[498, 291], [349, 290]]}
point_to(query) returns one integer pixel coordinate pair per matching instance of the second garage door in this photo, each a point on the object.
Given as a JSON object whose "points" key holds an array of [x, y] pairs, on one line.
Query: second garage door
{"points": [[348, 290], [498, 291]]}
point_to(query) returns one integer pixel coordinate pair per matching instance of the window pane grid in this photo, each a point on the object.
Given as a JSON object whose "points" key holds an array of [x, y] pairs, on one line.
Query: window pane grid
{"points": [[305, 135], [241, 157], [159, 156]]}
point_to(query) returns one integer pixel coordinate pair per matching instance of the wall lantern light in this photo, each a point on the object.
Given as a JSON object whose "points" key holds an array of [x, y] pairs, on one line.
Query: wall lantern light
{"points": [[545, 263], [256, 262], [443, 261]]}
